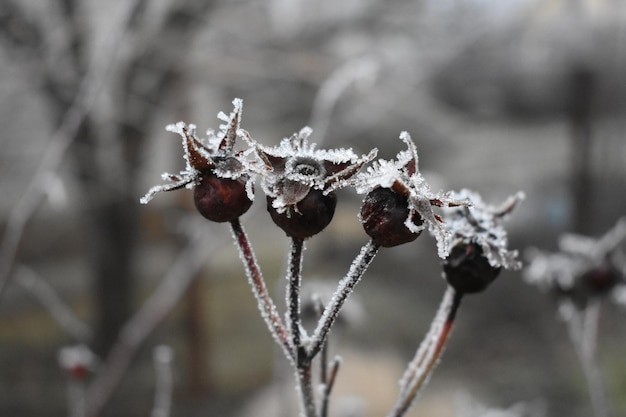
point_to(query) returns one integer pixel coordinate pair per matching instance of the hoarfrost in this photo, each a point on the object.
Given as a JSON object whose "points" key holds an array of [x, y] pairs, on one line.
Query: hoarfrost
{"points": [[577, 254], [480, 223], [402, 175], [214, 154], [290, 170]]}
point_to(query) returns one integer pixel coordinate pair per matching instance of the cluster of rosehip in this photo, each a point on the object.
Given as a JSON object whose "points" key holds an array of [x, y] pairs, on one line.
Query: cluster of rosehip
{"points": [[300, 184]]}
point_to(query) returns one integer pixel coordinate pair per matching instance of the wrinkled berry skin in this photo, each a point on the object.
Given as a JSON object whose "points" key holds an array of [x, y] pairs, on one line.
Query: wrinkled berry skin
{"points": [[311, 215], [221, 199], [467, 270], [383, 214]]}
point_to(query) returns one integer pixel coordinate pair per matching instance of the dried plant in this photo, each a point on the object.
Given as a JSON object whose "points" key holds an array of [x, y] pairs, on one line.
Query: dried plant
{"points": [[299, 182], [580, 276]]}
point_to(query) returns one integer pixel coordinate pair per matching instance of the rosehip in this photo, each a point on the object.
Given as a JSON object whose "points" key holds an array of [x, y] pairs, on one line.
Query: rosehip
{"points": [[221, 199], [383, 215], [467, 269], [308, 217]]}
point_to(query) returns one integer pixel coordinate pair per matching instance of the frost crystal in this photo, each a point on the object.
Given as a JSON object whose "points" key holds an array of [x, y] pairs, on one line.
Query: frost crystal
{"points": [[215, 154], [295, 166], [402, 176], [583, 266], [480, 223]]}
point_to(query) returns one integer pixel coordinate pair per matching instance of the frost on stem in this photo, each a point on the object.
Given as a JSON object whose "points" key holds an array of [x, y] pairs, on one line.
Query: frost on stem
{"points": [[399, 202], [300, 182], [220, 177], [583, 269]]}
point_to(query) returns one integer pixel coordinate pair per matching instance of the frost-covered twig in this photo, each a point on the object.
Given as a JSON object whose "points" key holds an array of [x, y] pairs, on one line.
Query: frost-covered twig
{"points": [[344, 289], [428, 354], [294, 279], [59, 310], [303, 361], [266, 305]]}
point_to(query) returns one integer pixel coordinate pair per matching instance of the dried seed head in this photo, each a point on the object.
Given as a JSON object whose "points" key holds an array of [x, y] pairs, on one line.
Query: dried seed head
{"points": [[383, 216], [309, 216], [467, 269]]}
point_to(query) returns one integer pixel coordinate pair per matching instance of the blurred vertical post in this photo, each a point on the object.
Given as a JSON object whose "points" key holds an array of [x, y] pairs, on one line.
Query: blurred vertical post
{"points": [[580, 114]]}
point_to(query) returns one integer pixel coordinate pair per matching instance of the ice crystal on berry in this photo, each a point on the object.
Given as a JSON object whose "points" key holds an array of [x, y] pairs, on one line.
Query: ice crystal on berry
{"points": [[215, 155], [402, 176], [583, 267], [481, 224], [295, 167]]}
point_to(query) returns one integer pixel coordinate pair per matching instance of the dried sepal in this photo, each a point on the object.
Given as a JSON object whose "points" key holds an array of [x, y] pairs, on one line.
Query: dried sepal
{"points": [[481, 224], [402, 177], [220, 177]]}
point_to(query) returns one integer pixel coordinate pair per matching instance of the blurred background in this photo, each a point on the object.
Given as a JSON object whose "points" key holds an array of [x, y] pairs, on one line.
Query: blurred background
{"points": [[498, 96]]}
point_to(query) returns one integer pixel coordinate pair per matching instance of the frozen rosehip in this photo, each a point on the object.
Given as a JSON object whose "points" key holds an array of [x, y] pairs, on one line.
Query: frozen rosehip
{"points": [[308, 217], [383, 215], [600, 280], [221, 199], [467, 269], [300, 182], [221, 181]]}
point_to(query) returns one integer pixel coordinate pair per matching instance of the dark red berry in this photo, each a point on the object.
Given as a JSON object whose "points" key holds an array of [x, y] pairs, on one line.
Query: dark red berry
{"points": [[595, 282], [600, 280], [78, 371], [309, 216], [468, 270], [221, 199], [383, 215]]}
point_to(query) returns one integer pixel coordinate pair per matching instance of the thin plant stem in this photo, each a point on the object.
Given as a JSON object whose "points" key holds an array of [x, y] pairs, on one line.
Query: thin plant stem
{"points": [[266, 305], [319, 308], [303, 361], [428, 354], [305, 385], [142, 324], [344, 289], [294, 280], [328, 386], [582, 330], [163, 358], [83, 103], [76, 390], [58, 308]]}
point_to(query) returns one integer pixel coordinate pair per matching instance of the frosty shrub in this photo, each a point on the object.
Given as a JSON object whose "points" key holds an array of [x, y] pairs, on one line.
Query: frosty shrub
{"points": [[580, 277], [299, 182]]}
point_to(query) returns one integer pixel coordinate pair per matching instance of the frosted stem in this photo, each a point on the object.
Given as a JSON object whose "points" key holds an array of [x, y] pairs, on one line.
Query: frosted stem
{"points": [[305, 385], [582, 329], [259, 289], [427, 356], [294, 280], [303, 361], [346, 285]]}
